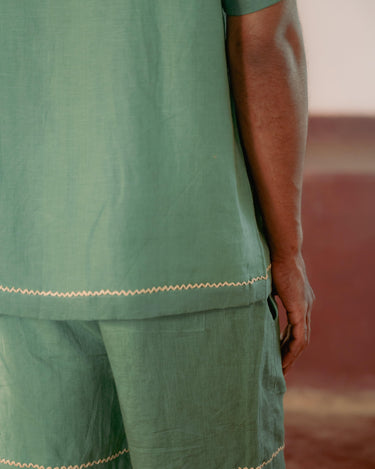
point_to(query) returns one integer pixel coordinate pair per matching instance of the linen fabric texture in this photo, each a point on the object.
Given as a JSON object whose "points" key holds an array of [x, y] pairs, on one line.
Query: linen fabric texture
{"points": [[124, 191], [242, 7], [202, 390]]}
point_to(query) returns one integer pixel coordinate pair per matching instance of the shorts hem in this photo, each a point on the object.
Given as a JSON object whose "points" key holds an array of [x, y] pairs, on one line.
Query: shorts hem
{"points": [[268, 461], [8, 462]]}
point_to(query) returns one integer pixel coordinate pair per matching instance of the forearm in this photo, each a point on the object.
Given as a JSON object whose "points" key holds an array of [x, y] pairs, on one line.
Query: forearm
{"points": [[268, 79], [269, 88]]}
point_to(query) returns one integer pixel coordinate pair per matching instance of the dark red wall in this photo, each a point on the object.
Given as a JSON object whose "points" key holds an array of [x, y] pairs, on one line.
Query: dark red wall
{"points": [[338, 213]]}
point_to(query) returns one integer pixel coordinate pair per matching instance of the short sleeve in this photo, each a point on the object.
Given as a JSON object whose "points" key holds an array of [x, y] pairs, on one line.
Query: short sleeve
{"points": [[242, 7]]}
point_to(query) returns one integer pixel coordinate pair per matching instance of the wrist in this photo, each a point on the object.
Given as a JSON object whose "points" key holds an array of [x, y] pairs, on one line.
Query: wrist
{"points": [[292, 267], [287, 247], [291, 255]]}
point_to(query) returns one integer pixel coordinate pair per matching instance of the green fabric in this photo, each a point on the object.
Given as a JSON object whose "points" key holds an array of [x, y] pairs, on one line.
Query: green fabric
{"points": [[242, 7], [197, 391], [123, 186]]}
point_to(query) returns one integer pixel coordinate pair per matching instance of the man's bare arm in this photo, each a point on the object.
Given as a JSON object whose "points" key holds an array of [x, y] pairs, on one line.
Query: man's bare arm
{"points": [[268, 78]]}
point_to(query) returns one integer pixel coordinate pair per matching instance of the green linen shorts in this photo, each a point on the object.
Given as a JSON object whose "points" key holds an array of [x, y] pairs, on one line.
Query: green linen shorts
{"points": [[192, 391]]}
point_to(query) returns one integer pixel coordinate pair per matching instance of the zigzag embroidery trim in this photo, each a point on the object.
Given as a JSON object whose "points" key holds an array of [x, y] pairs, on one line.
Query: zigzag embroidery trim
{"points": [[111, 458], [88, 464], [265, 463], [71, 294]]}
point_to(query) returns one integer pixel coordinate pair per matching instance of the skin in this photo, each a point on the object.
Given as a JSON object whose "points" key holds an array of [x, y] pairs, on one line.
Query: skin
{"points": [[267, 67]]}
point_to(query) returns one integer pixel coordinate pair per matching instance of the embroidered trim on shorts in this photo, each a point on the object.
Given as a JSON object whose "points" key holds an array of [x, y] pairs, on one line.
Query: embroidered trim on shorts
{"points": [[265, 463], [76, 466], [114, 456], [26, 291]]}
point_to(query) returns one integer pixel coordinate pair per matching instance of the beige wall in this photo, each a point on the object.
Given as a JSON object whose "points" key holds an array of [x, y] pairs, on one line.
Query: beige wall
{"points": [[340, 45]]}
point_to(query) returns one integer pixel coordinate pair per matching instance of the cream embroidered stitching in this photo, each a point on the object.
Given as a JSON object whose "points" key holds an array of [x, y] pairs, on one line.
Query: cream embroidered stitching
{"points": [[26, 291], [114, 456], [274, 454], [76, 466]]}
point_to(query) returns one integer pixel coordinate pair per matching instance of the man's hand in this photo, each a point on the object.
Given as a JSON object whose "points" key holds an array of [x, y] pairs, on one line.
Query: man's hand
{"points": [[290, 283]]}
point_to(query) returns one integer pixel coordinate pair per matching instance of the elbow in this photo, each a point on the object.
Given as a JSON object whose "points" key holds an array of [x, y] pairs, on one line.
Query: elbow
{"points": [[291, 42], [282, 43]]}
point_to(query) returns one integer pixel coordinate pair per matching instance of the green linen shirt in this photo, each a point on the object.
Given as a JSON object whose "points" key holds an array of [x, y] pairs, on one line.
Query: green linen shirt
{"points": [[124, 191]]}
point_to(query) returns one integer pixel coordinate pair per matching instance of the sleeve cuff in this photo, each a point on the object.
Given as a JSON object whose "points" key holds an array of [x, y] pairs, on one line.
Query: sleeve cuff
{"points": [[243, 7]]}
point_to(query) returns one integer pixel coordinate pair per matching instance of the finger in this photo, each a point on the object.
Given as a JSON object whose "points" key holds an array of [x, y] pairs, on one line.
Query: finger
{"points": [[308, 326], [287, 369], [292, 348], [295, 349], [285, 335], [287, 357], [300, 335], [288, 362]]}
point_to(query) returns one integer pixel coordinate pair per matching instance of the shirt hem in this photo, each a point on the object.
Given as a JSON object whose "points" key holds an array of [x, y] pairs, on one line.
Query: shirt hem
{"points": [[132, 304]]}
